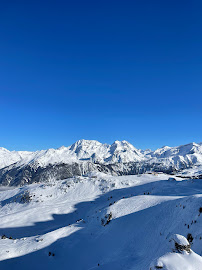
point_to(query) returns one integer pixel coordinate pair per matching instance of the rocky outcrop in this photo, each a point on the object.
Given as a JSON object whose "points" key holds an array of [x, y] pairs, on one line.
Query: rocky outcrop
{"points": [[180, 256]]}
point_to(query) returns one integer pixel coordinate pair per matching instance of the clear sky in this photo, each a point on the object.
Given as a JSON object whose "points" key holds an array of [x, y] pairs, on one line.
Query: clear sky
{"points": [[103, 70]]}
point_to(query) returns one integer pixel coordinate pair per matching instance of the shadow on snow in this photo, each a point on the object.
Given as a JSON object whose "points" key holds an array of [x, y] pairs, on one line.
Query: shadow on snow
{"points": [[92, 247]]}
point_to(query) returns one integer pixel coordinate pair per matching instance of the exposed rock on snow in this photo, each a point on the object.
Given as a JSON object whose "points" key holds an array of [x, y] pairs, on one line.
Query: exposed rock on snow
{"points": [[180, 243], [181, 258], [107, 218]]}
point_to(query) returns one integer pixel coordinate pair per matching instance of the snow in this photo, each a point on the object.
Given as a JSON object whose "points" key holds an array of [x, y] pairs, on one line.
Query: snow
{"points": [[191, 172], [181, 240], [58, 225], [99, 221], [188, 154], [82, 150], [9, 157], [176, 261], [119, 152]]}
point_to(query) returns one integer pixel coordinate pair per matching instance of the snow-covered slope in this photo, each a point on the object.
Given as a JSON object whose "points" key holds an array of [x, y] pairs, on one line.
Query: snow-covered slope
{"points": [[180, 257], [9, 157], [102, 222], [188, 154], [176, 261]]}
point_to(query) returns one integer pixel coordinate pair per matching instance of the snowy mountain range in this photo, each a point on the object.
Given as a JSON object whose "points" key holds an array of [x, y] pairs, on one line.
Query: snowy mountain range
{"points": [[121, 157], [96, 215], [82, 150]]}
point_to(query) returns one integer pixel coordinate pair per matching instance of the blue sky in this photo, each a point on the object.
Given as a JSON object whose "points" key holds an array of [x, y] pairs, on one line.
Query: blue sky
{"points": [[103, 70]]}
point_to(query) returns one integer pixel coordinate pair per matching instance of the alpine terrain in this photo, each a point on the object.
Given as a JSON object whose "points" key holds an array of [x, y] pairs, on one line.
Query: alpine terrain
{"points": [[98, 206], [120, 158]]}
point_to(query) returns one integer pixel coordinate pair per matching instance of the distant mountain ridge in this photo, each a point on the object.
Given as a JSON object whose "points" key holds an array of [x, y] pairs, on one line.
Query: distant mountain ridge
{"points": [[121, 157], [82, 150]]}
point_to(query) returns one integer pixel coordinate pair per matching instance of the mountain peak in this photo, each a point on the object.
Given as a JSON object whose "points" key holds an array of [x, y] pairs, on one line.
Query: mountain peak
{"points": [[4, 149], [94, 151]]}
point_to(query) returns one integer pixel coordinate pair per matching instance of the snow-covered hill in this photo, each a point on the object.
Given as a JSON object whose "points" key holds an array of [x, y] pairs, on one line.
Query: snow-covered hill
{"points": [[19, 167], [103, 222]]}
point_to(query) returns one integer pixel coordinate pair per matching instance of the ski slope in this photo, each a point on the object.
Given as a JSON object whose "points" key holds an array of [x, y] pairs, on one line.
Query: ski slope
{"points": [[100, 222]]}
